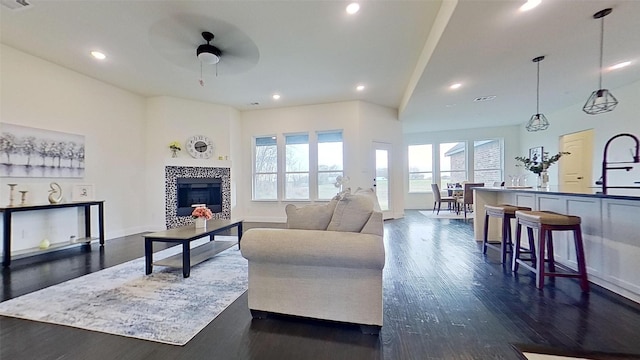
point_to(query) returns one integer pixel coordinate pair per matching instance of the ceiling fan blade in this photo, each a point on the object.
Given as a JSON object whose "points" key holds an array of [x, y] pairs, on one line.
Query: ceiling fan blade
{"points": [[176, 39]]}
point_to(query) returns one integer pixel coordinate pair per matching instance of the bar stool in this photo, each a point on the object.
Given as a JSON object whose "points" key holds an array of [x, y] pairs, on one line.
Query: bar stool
{"points": [[546, 222], [506, 213]]}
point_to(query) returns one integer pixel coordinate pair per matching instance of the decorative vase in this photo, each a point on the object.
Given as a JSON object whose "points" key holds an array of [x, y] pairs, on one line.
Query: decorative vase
{"points": [[543, 180], [201, 223], [174, 153]]}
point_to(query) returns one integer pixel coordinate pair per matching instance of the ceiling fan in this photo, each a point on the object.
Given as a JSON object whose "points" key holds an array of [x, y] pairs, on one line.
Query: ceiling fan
{"points": [[178, 36], [208, 53]]}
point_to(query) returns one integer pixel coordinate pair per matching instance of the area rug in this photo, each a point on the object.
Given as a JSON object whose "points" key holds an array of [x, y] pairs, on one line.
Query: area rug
{"points": [[445, 214], [122, 300], [537, 352]]}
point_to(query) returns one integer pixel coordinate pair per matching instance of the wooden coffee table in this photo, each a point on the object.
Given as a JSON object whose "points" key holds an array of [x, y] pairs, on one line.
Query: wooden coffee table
{"points": [[185, 235]]}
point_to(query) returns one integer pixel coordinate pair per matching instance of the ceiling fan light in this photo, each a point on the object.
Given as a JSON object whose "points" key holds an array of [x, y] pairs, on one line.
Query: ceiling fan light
{"points": [[600, 101], [537, 122], [208, 54]]}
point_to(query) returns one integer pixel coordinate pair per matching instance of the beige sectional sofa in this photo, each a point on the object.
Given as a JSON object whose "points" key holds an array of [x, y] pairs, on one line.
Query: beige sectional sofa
{"points": [[326, 265]]}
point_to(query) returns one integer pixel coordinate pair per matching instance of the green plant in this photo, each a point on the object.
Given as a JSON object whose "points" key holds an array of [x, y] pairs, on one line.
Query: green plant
{"points": [[174, 145], [536, 165]]}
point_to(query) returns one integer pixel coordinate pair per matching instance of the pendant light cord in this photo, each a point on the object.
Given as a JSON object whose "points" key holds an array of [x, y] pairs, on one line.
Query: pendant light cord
{"points": [[538, 91], [601, 50]]}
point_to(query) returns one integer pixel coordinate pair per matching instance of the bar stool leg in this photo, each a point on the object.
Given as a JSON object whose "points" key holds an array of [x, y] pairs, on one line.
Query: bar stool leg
{"points": [[540, 261], [551, 257], [486, 232], [505, 239], [532, 246], [582, 267], [516, 249]]}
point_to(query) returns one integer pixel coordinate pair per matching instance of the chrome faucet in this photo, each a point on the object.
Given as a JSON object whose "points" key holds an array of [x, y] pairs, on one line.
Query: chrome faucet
{"points": [[605, 167]]}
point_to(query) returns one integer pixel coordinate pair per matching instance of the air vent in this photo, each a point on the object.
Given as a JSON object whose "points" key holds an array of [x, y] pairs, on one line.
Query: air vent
{"points": [[485, 98], [15, 4], [254, 104]]}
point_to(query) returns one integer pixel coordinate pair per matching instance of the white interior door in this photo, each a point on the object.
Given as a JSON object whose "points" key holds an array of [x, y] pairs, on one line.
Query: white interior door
{"points": [[382, 178], [576, 168]]}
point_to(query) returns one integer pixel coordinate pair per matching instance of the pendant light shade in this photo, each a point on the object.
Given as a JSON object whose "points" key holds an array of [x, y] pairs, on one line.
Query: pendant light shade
{"points": [[538, 121], [601, 100]]}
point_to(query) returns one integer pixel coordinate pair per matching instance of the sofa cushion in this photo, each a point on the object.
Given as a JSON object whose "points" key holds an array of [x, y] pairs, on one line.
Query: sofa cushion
{"points": [[352, 213], [310, 217]]}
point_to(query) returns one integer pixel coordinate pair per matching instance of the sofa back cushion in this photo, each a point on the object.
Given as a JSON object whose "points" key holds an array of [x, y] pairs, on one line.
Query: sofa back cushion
{"points": [[352, 213], [310, 217]]}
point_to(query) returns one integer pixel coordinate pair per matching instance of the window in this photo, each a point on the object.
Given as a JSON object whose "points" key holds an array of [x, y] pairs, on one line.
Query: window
{"points": [[330, 156], [487, 161], [297, 167], [420, 167], [265, 176], [453, 163]]}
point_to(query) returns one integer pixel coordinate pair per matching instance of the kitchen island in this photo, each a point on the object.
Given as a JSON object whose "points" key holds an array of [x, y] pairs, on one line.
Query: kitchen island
{"points": [[610, 228]]}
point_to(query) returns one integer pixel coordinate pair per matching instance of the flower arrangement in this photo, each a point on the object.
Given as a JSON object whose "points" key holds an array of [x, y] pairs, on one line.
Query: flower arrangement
{"points": [[536, 165], [202, 211], [175, 146]]}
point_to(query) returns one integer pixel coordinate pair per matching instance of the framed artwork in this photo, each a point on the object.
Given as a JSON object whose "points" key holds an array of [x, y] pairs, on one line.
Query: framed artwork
{"points": [[536, 153], [83, 192], [38, 153]]}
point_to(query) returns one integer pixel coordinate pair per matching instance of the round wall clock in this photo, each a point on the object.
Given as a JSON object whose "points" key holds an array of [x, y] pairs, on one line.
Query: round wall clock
{"points": [[200, 147]]}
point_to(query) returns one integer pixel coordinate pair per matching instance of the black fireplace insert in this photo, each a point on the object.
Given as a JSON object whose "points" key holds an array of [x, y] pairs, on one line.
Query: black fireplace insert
{"points": [[192, 191]]}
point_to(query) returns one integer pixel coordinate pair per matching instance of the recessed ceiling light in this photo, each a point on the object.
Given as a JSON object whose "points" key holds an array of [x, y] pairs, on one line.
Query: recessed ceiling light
{"points": [[353, 8], [530, 4], [98, 55], [620, 65], [455, 86], [276, 97], [360, 87]]}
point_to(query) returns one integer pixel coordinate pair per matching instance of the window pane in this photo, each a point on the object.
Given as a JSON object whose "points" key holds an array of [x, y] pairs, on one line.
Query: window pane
{"points": [[297, 153], [266, 159], [453, 167], [487, 161], [265, 187], [329, 156], [297, 186], [420, 182], [420, 158], [326, 185], [420, 167]]}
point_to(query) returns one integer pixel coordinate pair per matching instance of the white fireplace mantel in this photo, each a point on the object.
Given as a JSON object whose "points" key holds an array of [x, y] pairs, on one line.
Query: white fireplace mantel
{"points": [[184, 161]]}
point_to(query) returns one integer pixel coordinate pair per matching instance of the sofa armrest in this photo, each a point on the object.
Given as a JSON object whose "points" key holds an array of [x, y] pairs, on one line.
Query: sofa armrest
{"points": [[314, 248]]}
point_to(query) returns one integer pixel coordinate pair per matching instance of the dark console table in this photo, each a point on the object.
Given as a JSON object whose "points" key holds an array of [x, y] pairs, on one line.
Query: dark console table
{"points": [[8, 211]]}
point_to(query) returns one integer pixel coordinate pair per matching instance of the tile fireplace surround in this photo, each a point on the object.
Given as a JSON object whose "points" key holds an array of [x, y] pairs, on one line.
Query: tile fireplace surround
{"points": [[172, 173]]}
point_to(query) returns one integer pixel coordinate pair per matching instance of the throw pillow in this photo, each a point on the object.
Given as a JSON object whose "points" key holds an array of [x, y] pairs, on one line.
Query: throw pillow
{"points": [[310, 217], [372, 194], [352, 213]]}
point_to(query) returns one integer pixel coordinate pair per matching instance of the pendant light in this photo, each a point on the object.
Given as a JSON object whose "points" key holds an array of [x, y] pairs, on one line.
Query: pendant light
{"points": [[538, 121], [601, 100]]}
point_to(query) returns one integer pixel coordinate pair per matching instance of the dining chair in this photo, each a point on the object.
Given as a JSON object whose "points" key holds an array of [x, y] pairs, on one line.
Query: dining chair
{"points": [[467, 197], [438, 199]]}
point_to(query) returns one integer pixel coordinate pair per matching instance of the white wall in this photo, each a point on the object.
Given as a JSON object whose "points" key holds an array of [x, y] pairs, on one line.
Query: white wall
{"points": [[510, 134], [43, 95], [625, 118], [361, 124], [173, 119]]}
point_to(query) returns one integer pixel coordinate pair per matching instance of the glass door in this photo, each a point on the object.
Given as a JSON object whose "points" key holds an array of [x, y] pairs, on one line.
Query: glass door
{"points": [[381, 179]]}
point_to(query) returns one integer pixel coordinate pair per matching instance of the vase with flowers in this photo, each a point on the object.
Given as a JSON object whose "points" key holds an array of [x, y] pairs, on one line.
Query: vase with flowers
{"points": [[201, 214], [540, 166], [175, 147]]}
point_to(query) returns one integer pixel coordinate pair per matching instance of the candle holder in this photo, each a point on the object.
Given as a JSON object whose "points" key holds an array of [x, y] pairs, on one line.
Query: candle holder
{"points": [[23, 197], [11, 193]]}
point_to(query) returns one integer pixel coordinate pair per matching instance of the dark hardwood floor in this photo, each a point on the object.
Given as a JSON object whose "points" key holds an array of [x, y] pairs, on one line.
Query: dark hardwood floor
{"points": [[443, 300]]}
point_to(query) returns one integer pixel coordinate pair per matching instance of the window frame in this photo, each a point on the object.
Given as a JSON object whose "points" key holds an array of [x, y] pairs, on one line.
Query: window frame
{"points": [[431, 172]]}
